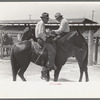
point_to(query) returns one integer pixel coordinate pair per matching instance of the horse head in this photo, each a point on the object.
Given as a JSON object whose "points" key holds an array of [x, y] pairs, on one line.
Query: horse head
{"points": [[29, 33], [7, 39]]}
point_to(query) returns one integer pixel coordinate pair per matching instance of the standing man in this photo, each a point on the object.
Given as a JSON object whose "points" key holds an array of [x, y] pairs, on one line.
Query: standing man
{"points": [[64, 26], [40, 33]]}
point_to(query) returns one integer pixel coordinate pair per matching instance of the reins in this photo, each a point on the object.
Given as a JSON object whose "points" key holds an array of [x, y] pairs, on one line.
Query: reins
{"points": [[40, 54]]}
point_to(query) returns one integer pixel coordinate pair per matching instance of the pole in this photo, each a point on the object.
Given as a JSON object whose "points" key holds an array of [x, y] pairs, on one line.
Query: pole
{"points": [[1, 46], [96, 50], [96, 45], [29, 17], [90, 44], [90, 48], [92, 15]]}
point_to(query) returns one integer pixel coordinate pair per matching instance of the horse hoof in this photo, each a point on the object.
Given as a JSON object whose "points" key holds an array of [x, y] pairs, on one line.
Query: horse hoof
{"points": [[87, 80], [44, 78], [24, 80], [55, 80]]}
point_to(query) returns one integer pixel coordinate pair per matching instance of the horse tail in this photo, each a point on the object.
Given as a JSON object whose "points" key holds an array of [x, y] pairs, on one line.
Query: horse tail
{"points": [[85, 60], [14, 65]]}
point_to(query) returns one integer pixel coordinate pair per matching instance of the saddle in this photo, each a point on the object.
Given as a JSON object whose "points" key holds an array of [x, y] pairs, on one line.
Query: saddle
{"points": [[38, 49], [39, 54]]}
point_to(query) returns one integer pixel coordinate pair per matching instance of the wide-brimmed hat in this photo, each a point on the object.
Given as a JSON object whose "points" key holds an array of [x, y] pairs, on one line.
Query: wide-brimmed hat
{"points": [[57, 15], [44, 15]]}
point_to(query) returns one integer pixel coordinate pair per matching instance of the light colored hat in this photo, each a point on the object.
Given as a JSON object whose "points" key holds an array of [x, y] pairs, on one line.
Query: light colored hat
{"points": [[57, 15], [45, 15]]}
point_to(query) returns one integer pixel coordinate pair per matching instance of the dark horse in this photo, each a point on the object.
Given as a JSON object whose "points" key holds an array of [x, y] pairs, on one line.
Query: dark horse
{"points": [[25, 52], [72, 44], [7, 40]]}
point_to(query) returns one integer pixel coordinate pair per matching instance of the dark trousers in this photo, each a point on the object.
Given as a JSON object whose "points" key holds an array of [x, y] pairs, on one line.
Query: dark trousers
{"points": [[51, 52]]}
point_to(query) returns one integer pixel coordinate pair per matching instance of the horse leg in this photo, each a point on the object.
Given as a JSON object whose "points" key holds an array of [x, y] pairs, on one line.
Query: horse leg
{"points": [[56, 73], [81, 74], [86, 75], [82, 65], [15, 73], [3, 52], [15, 66], [48, 75], [81, 70], [7, 52], [86, 69], [14, 76], [45, 74], [21, 72]]}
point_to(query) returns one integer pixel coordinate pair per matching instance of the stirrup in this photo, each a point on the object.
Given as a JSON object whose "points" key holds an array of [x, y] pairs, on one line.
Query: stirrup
{"points": [[44, 76]]}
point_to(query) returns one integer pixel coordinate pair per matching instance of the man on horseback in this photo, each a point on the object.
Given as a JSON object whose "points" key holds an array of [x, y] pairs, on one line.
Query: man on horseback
{"points": [[63, 28], [40, 33]]}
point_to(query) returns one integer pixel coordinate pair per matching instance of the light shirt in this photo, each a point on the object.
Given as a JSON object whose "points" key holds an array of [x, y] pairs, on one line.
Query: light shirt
{"points": [[40, 30], [64, 27]]}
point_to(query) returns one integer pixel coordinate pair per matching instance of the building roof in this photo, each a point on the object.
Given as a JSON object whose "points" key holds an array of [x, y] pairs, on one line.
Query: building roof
{"points": [[52, 21], [97, 33], [81, 21]]}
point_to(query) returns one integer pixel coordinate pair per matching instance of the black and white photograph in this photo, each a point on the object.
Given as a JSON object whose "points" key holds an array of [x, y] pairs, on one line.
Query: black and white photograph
{"points": [[48, 48]]}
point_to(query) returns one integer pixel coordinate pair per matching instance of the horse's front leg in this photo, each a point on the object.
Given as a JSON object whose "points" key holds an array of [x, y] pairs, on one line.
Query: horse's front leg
{"points": [[48, 75], [7, 50], [45, 75], [56, 73]]}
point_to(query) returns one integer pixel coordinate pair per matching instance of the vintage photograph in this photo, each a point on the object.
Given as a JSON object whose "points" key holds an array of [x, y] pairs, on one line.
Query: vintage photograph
{"points": [[53, 43]]}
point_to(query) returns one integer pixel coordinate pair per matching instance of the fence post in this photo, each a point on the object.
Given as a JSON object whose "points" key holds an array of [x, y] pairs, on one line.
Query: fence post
{"points": [[90, 48], [1, 46], [96, 50]]}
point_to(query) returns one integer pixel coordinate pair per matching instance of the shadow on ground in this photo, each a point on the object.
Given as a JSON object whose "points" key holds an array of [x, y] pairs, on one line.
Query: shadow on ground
{"points": [[62, 80]]}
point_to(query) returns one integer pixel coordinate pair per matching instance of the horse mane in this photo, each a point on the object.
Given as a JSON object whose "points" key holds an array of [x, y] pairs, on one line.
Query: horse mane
{"points": [[28, 34]]}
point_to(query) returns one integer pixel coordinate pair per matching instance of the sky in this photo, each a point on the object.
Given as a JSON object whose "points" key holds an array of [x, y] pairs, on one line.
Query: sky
{"points": [[23, 10]]}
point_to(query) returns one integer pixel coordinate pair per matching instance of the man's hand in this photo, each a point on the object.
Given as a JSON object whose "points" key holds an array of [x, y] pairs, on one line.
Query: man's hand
{"points": [[57, 37], [52, 33], [40, 40]]}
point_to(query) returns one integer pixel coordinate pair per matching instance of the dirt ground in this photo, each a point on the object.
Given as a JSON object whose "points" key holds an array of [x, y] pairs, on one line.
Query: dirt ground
{"points": [[69, 72]]}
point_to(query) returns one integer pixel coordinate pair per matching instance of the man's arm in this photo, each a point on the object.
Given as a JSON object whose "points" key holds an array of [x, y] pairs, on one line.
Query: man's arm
{"points": [[61, 28]]}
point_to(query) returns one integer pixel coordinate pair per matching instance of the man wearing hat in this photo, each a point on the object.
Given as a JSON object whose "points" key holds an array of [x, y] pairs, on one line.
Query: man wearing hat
{"points": [[40, 33], [64, 26]]}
